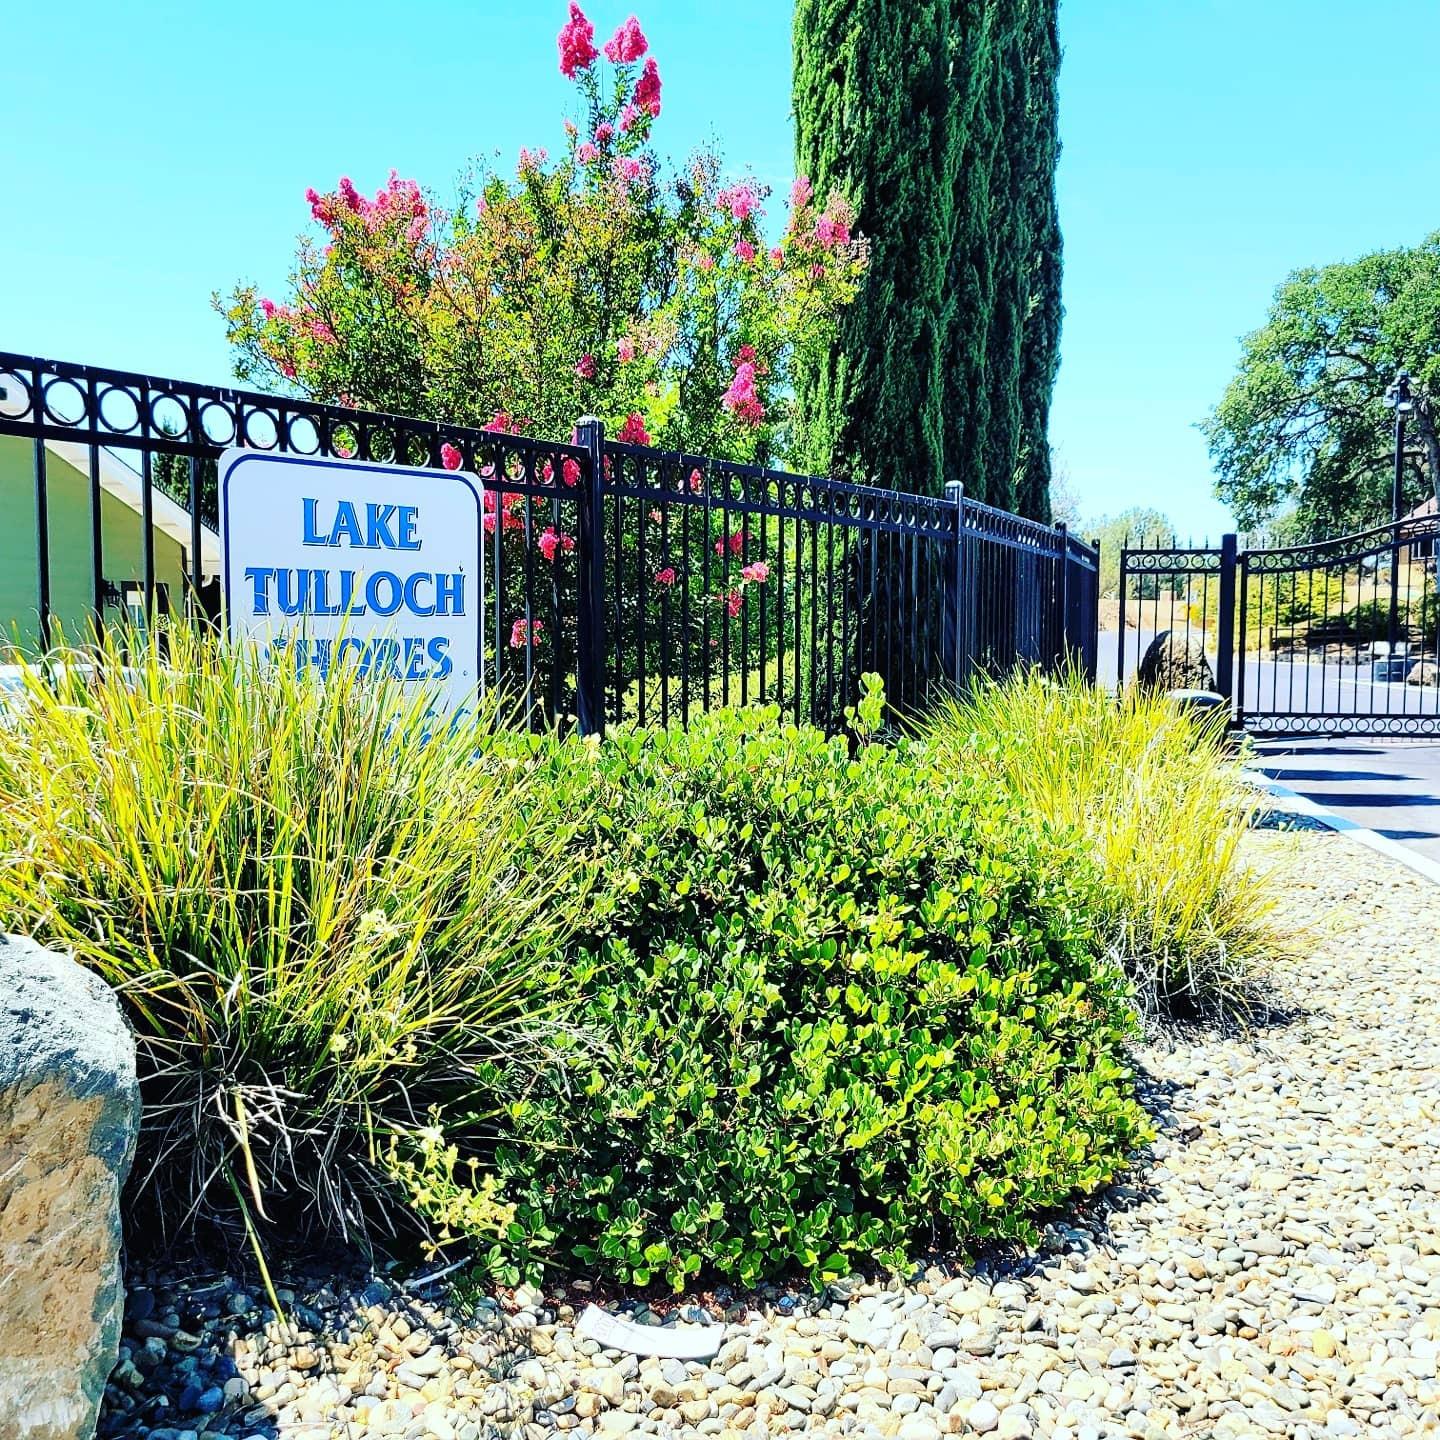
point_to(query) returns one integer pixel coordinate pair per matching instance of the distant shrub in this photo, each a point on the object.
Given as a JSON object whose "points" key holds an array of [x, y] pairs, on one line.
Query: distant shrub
{"points": [[309, 904], [840, 1007], [1164, 809]]}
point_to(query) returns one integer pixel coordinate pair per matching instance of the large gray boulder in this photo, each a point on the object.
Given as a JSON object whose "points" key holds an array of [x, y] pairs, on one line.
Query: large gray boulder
{"points": [[1423, 672], [69, 1113], [1175, 662]]}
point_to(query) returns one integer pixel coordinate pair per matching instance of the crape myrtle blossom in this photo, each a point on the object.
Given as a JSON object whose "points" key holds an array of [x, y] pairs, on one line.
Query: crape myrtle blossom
{"points": [[526, 632], [632, 432], [647, 90], [553, 542], [577, 44], [740, 399], [627, 44], [742, 201]]}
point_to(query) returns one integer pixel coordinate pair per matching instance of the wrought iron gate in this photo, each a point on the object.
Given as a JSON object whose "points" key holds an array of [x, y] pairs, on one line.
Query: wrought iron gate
{"points": [[1334, 637]]}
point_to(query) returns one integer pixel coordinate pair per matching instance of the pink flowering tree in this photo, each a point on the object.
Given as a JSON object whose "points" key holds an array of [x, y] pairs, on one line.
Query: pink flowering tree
{"points": [[672, 305], [593, 282]]}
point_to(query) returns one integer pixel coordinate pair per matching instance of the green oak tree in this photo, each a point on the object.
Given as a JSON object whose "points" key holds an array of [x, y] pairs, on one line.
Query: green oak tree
{"points": [[1302, 433]]}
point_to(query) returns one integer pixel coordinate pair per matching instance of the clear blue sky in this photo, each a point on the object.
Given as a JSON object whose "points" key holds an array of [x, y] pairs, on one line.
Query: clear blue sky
{"points": [[153, 153]]}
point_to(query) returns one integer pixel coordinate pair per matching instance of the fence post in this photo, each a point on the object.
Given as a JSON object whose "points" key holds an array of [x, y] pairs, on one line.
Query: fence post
{"points": [[1121, 585], [1062, 540], [954, 629], [1225, 636], [590, 552], [1091, 620]]}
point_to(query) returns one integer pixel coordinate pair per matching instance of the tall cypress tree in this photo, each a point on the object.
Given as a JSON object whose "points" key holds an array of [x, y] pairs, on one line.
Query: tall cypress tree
{"points": [[872, 100], [939, 121]]}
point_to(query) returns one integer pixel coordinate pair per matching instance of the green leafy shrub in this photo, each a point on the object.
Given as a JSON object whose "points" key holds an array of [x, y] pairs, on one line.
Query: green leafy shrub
{"points": [[837, 1008], [1416, 618], [309, 903], [1164, 808]]}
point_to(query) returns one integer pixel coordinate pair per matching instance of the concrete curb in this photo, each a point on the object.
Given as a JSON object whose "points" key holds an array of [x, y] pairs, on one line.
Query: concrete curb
{"points": [[1381, 844]]}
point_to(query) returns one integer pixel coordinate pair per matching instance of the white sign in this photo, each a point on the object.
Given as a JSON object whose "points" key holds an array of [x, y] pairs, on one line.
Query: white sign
{"points": [[338, 561]]}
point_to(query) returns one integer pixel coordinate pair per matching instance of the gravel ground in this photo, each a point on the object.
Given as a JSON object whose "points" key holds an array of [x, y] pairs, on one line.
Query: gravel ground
{"points": [[1274, 1270]]}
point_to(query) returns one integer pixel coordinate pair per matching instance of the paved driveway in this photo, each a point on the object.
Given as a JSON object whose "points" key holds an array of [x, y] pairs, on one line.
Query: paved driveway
{"points": [[1389, 786]]}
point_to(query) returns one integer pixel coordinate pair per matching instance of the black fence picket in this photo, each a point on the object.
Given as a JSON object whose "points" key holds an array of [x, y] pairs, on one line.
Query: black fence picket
{"points": [[623, 583]]}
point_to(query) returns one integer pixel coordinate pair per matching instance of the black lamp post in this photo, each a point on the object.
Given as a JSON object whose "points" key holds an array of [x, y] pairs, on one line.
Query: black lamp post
{"points": [[1398, 399]]}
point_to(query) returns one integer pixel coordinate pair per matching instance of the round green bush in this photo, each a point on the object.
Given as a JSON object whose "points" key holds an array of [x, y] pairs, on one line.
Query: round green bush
{"points": [[832, 1008]]}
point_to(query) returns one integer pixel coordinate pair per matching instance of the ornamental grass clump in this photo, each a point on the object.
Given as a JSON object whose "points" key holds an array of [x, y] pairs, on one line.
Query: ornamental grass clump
{"points": [[841, 1008], [1160, 798], [308, 899]]}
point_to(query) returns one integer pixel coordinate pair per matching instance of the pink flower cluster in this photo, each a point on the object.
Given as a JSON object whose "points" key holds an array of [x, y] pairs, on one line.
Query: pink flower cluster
{"points": [[585, 366], [397, 199], [526, 632], [665, 577], [627, 44], [740, 399], [505, 509], [630, 168], [735, 543], [633, 431], [570, 471], [553, 542], [532, 159], [757, 573], [450, 457], [587, 153], [740, 200], [647, 89], [577, 43]]}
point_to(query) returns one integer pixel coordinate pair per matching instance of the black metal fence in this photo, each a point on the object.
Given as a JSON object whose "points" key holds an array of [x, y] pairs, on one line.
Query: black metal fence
{"points": [[622, 582], [1335, 636]]}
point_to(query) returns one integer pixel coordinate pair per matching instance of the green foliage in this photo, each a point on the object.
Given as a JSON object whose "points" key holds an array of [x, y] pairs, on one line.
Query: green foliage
{"points": [[1303, 424], [839, 1007], [1416, 618], [938, 120], [306, 896], [1164, 810]]}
